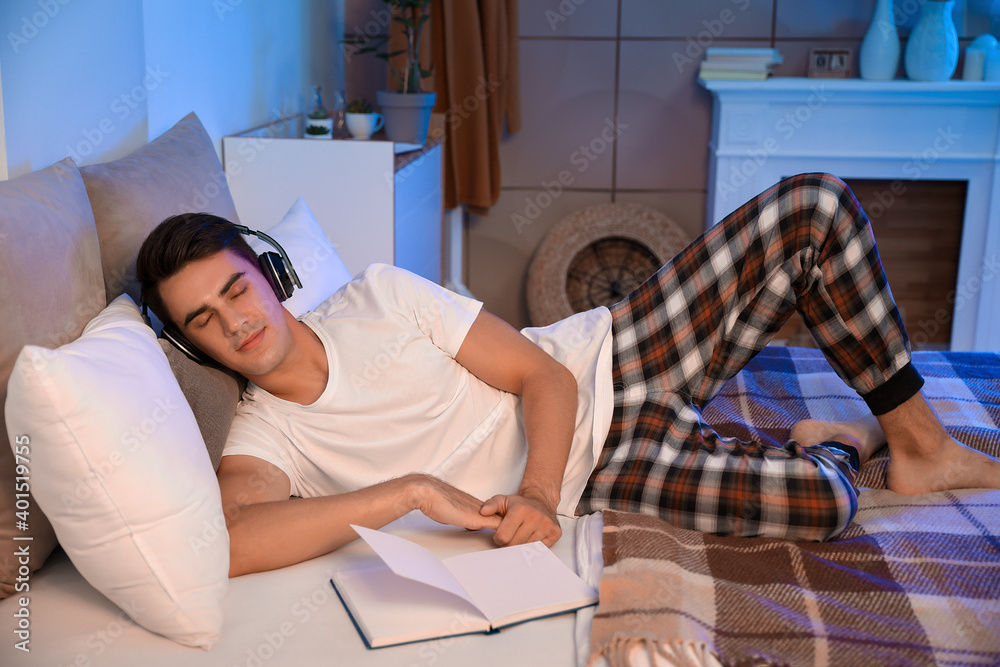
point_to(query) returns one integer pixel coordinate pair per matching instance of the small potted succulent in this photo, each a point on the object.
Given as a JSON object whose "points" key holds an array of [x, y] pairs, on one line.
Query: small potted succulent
{"points": [[408, 108], [361, 120], [319, 124]]}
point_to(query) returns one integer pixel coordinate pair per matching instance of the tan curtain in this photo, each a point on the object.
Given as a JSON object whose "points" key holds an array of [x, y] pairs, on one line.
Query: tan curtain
{"points": [[474, 50]]}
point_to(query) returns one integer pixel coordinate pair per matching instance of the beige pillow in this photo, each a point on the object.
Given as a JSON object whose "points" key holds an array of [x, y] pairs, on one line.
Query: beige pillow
{"points": [[212, 392], [178, 172], [50, 278]]}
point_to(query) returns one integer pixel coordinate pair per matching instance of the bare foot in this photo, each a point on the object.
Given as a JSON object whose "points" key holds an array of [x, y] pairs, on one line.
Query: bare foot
{"points": [[866, 434], [924, 458], [953, 466]]}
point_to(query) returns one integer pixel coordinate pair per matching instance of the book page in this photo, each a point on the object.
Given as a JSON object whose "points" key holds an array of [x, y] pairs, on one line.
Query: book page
{"points": [[390, 609], [410, 560], [512, 584]]}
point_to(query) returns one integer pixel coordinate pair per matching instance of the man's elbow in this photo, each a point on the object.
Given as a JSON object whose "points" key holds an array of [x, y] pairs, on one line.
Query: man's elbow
{"points": [[244, 544], [561, 381], [567, 380], [237, 565], [241, 561], [238, 540]]}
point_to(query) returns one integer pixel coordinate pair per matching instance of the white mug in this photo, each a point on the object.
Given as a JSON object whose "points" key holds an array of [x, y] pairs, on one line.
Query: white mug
{"points": [[363, 125]]}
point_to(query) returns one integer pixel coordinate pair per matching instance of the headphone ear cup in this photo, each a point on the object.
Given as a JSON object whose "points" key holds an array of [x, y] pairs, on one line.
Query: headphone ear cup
{"points": [[274, 269], [184, 345]]}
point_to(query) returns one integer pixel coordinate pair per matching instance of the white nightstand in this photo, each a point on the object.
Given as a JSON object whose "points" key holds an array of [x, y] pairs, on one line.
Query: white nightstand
{"points": [[375, 204]]}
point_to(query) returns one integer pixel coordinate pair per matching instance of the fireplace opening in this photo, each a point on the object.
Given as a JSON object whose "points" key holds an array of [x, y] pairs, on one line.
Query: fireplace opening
{"points": [[918, 229]]}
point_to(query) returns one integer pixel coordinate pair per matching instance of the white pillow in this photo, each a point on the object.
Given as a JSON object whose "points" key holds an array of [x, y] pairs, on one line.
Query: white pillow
{"points": [[117, 463], [316, 261]]}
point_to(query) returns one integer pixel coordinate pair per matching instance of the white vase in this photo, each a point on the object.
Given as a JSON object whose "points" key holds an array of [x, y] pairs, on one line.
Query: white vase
{"points": [[932, 49], [880, 48]]}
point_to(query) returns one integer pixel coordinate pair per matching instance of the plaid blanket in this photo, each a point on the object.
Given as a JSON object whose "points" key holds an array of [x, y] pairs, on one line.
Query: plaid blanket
{"points": [[913, 581]]}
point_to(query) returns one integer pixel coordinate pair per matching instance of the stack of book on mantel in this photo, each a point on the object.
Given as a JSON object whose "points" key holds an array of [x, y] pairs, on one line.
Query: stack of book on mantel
{"points": [[738, 63]]}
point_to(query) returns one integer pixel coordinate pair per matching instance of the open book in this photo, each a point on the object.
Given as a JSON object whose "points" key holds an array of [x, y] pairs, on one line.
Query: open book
{"points": [[412, 595]]}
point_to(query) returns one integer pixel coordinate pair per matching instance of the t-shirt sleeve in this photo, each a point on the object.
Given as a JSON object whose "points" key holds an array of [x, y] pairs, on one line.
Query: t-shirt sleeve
{"points": [[252, 436], [442, 315]]}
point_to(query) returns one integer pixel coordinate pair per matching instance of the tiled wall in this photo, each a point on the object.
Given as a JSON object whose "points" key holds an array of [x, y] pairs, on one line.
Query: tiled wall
{"points": [[589, 66]]}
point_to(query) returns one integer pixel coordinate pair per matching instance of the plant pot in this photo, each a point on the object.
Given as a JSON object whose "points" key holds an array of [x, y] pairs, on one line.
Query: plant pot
{"points": [[407, 115], [314, 127]]}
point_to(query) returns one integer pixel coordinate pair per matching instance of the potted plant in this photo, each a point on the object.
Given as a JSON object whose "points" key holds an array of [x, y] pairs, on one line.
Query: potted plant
{"points": [[361, 120], [407, 109], [319, 124]]}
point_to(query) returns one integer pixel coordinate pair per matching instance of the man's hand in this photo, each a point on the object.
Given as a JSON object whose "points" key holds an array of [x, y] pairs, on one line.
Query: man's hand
{"points": [[443, 503], [524, 519], [267, 530]]}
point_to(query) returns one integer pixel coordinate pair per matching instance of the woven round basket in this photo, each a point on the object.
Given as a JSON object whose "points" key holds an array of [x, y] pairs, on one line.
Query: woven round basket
{"points": [[596, 256]]}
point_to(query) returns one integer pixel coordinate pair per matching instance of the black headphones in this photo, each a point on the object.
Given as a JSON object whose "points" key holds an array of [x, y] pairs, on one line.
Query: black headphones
{"points": [[277, 269]]}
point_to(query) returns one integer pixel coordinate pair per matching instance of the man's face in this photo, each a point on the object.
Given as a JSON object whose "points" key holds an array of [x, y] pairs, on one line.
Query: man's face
{"points": [[225, 306]]}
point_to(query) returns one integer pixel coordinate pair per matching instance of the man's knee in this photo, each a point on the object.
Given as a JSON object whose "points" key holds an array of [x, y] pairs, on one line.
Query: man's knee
{"points": [[825, 200], [816, 181]]}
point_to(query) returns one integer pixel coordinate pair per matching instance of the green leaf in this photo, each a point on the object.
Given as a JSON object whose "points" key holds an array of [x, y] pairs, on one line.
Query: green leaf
{"points": [[360, 105], [411, 15]]}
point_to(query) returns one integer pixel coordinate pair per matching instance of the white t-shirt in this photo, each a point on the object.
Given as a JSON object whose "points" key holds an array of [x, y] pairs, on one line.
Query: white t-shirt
{"points": [[397, 401]]}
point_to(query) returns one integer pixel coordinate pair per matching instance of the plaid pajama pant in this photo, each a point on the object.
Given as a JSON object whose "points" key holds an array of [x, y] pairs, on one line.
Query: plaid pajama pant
{"points": [[804, 245]]}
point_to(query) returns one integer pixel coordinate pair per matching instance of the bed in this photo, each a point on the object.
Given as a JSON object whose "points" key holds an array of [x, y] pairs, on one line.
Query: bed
{"points": [[912, 581]]}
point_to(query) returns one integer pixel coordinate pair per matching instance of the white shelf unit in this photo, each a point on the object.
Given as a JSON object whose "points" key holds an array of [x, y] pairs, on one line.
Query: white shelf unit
{"points": [[374, 204]]}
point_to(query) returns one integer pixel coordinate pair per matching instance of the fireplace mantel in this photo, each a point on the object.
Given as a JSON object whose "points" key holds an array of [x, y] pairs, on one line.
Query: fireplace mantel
{"points": [[900, 131]]}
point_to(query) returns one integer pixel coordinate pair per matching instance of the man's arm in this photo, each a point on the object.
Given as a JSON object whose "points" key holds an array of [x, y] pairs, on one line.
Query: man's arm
{"points": [[499, 355], [268, 530]]}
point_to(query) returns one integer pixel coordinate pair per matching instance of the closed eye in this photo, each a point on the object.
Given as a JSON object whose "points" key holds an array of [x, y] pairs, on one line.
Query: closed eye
{"points": [[204, 310], [201, 324]]}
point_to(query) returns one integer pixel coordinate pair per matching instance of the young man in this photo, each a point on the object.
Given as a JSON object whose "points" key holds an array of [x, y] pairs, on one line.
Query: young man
{"points": [[397, 395]]}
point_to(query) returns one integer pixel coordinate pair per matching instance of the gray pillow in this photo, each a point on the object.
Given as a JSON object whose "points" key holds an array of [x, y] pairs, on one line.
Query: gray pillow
{"points": [[50, 278], [212, 392], [178, 172]]}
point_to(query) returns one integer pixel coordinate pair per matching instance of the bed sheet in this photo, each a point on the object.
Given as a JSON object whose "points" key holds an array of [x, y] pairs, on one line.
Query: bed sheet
{"points": [[914, 580], [293, 617]]}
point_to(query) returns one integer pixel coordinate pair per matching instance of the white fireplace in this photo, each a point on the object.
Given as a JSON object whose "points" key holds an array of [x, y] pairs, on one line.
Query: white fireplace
{"points": [[898, 131]]}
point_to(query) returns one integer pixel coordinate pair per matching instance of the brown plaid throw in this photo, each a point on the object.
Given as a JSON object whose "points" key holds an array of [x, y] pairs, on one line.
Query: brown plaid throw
{"points": [[913, 581]]}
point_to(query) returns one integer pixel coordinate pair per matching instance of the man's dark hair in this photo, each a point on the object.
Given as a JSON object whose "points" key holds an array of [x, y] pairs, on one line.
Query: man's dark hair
{"points": [[178, 241]]}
